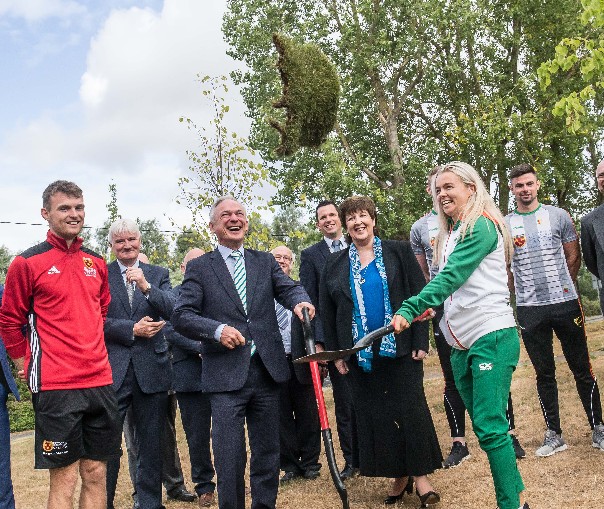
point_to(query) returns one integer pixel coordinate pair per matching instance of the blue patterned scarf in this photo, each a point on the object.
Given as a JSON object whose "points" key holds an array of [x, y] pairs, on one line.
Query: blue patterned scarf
{"points": [[359, 318]]}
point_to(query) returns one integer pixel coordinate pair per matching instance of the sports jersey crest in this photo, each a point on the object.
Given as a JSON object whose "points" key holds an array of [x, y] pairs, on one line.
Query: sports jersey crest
{"points": [[519, 240], [89, 269]]}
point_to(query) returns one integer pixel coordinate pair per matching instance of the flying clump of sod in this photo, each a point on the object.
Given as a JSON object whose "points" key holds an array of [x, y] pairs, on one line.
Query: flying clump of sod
{"points": [[311, 92]]}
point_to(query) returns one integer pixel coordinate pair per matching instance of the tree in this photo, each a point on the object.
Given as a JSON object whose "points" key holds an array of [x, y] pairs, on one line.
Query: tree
{"points": [[154, 242], [423, 82], [186, 240], [580, 56], [222, 165], [100, 235], [289, 229], [5, 259]]}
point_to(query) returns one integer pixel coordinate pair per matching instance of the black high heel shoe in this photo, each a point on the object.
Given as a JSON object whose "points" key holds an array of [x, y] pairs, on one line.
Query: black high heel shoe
{"points": [[429, 498], [392, 499]]}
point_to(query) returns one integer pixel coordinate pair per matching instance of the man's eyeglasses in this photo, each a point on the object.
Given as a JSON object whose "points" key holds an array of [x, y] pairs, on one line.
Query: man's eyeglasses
{"points": [[283, 257]]}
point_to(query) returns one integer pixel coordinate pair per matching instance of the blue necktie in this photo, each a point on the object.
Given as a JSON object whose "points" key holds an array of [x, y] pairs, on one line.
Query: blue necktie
{"points": [[239, 278], [336, 245]]}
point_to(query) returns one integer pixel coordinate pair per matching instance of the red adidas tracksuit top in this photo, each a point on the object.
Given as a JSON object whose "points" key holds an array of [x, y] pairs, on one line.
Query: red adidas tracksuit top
{"points": [[62, 294]]}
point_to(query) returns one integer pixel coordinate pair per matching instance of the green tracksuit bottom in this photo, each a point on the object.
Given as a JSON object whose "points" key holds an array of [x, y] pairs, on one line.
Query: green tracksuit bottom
{"points": [[483, 375]]}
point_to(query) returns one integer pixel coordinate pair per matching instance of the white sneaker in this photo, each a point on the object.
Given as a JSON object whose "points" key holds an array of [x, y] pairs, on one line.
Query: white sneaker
{"points": [[552, 443], [597, 437]]}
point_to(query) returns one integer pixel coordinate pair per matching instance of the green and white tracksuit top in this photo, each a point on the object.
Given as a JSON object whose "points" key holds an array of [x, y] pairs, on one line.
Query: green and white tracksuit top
{"points": [[472, 283]]}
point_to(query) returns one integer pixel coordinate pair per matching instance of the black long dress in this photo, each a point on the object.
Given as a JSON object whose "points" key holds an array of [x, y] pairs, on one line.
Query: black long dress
{"points": [[396, 433]]}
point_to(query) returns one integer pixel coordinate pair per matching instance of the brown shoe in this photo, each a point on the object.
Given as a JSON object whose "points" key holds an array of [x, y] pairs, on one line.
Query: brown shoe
{"points": [[206, 499]]}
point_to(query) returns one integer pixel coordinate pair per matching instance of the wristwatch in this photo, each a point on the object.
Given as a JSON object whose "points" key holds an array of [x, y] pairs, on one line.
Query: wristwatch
{"points": [[148, 289]]}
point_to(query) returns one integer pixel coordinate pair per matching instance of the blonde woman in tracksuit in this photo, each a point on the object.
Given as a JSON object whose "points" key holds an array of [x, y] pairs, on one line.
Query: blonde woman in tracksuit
{"points": [[472, 250]]}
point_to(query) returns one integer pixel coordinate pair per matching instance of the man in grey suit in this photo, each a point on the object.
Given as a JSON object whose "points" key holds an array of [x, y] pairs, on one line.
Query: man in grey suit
{"points": [[592, 236], [141, 302], [227, 301], [195, 410], [312, 261]]}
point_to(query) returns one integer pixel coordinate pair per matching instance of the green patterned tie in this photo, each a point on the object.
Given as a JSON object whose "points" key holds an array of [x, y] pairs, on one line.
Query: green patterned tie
{"points": [[240, 284]]}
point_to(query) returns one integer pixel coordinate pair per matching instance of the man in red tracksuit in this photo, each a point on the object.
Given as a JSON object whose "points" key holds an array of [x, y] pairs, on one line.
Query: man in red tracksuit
{"points": [[59, 290]]}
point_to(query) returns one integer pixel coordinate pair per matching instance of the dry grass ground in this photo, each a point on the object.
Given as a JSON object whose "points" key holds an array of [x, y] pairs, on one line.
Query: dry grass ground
{"points": [[572, 479]]}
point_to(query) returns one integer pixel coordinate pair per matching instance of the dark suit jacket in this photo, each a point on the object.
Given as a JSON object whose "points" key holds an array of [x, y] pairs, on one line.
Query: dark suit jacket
{"points": [[5, 371], [405, 279], [208, 298], [312, 262], [186, 360], [149, 356], [592, 244]]}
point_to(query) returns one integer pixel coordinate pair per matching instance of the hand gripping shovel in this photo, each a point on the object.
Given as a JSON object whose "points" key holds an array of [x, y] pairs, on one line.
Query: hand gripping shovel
{"points": [[361, 344], [325, 430]]}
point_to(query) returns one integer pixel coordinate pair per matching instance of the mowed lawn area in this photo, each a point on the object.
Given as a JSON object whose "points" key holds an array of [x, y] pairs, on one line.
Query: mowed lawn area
{"points": [[571, 479]]}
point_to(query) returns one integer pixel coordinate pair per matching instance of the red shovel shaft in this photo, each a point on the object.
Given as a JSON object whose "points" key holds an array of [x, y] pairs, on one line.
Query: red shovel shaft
{"points": [[317, 385]]}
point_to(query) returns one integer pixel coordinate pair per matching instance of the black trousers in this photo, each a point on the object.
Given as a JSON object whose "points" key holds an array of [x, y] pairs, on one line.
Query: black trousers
{"points": [[149, 412], [538, 323], [454, 406], [196, 415], [345, 417], [300, 431], [172, 477]]}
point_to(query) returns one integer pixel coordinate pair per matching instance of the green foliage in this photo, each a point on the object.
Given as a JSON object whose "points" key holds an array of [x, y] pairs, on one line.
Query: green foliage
{"points": [[423, 82], [259, 233], [580, 56], [100, 235], [289, 229], [310, 97], [20, 413], [222, 165], [5, 259], [154, 242]]}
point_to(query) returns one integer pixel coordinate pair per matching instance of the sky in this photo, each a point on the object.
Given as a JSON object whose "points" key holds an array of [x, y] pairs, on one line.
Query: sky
{"points": [[91, 91]]}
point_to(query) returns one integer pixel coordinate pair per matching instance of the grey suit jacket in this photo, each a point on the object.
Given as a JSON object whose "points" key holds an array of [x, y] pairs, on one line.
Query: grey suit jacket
{"points": [[208, 298], [592, 244], [405, 279], [149, 356], [186, 361]]}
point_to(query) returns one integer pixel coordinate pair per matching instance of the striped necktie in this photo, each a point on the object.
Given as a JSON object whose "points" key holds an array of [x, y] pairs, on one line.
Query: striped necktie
{"points": [[129, 289], [239, 278], [282, 317]]}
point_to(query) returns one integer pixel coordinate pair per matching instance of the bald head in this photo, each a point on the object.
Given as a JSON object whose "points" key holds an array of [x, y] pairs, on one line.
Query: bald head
{"points": [[192, 253], [600, 176], [284, 257]]}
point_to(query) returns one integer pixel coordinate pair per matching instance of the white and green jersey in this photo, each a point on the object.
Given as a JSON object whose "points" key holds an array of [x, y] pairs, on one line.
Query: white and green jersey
{"points": [[541, 275], [472, 283], [423, 234]]}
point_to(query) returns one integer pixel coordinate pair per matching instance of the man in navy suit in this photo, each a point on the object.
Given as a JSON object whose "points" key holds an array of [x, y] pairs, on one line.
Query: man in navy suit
{"points": [[195, 410], [141, 302], [172, 476], [7, 385], [227, 300], [299, 428], [312, 261]]}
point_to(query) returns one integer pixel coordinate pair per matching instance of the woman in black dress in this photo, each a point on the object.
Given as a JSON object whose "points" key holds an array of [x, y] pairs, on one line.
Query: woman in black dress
{"points": [[360, 288]]}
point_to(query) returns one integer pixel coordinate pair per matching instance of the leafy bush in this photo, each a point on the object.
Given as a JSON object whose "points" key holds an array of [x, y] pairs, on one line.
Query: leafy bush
{"points": [[21, 414]]}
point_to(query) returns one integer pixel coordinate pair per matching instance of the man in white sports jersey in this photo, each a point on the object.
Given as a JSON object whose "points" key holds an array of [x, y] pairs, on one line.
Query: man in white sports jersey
{"points": [[545, 266]]}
